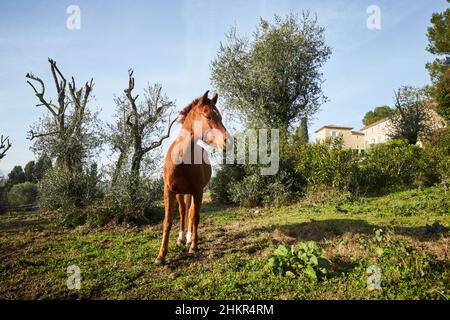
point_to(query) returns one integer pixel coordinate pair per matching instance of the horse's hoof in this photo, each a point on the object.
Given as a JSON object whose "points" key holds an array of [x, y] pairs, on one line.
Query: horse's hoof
{"points": [[192, 251], [180, 242], [159, 261]]}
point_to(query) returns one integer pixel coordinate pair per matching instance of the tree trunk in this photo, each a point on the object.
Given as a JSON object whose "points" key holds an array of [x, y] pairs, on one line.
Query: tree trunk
{"points": [[119, 166], [135, 173]]}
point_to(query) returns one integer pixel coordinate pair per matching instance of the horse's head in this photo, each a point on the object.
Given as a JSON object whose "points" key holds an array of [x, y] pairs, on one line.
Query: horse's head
{"points": [[204, 120]]}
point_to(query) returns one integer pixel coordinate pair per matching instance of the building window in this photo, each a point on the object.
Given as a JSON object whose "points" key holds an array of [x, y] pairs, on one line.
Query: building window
{"points": [[333, 134]]}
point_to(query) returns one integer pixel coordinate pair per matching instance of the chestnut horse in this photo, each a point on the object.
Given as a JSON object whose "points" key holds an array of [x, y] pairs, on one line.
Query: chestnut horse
{"points": [[187, 170]]}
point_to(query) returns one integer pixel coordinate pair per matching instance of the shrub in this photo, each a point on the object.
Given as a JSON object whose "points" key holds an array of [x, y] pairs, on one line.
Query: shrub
{"points": [[441, 139], [220, 185], [307, 260], [63, 190], [278, 190], [100, 215], [255, 189], [23, 194], [118, 206], [390, 165], [443, 169], [71, 216], [3, 199], [249, 192], [327, 163]]}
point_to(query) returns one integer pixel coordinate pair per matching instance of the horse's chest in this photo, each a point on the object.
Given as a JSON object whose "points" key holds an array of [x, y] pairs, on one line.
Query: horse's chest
{"points": [[187, 178]]}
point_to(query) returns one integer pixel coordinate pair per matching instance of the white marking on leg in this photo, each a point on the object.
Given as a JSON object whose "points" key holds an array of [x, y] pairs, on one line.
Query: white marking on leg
{"points": [[180, 235], [188, 237]]}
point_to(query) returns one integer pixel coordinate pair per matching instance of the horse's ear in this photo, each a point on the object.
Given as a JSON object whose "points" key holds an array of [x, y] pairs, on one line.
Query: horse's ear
{"points": [[214, 99], [204, 98]]}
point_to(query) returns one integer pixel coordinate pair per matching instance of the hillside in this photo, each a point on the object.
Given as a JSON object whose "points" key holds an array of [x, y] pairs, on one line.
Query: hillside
{"points": [[412, 252]]}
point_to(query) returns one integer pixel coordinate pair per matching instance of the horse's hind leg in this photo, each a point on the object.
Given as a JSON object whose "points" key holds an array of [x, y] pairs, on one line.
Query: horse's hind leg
{"points": [[169, 202], [182, 210], [194, 219]]}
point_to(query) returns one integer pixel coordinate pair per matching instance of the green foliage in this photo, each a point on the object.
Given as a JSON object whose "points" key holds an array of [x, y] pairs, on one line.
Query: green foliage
{"points": [[21, 194], [63, 190], [301, 134], [43, 163], [326, 163], [274, 78], [306, 261], [441, 140], [442, 95], [329, 168], [248, 192], [377, 114], [16, 176], [29, 171], [3, 199], [120, 206], [390, 165], [220, 185], [411, 119], [71, 216], [400, 264], [255, 189], [439, 43], [443, 170], [439, 69]]}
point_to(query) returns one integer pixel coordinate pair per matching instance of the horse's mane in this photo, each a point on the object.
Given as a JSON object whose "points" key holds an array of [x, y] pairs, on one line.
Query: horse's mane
{"points": [[184, 112]]}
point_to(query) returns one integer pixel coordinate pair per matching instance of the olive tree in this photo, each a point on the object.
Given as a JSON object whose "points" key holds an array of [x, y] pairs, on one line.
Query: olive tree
{"points": [[67, 131], [274, 78], [140, 128]]}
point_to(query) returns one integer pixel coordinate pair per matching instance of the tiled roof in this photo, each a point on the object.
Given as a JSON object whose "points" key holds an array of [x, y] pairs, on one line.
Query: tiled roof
{"points": [[374, 124], [334, 126]]}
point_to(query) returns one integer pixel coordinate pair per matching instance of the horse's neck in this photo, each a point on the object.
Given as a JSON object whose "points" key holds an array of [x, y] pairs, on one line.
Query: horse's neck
{"points": [[186, 145]]}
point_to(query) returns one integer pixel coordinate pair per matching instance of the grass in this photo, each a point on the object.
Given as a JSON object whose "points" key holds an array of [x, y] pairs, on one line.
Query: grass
{"points": [[411, 252]]}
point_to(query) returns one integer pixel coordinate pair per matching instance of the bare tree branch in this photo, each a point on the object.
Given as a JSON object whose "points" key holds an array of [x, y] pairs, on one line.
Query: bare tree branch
{"points": [[51, 107], [128, 92], [156, 144], [33, 135], [5, 145]]}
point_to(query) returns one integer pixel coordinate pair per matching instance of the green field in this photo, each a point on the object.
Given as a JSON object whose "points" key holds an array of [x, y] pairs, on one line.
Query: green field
{"points": [[235, 244]]}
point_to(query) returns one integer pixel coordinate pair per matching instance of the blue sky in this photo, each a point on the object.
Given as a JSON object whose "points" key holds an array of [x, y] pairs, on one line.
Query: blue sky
{"points": [[173, 42]]}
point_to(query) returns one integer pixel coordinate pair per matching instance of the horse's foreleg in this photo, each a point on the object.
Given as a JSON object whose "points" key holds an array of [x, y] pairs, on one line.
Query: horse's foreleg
{"points": [[189, 214], [182, 210], [194, 220], [169, 201]]}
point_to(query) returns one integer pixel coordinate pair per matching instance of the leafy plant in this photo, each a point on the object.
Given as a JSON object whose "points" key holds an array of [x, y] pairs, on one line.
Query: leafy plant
{"points": [[22, 194], [307, 260]]}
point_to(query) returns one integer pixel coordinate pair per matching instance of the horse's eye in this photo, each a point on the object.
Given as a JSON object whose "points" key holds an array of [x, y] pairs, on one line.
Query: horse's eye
{"points": [[208, 117]]}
